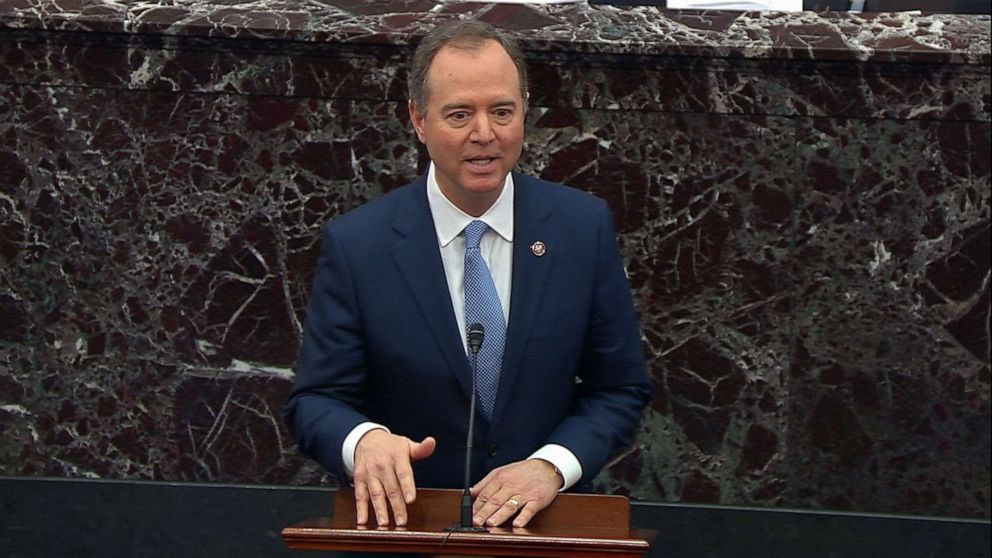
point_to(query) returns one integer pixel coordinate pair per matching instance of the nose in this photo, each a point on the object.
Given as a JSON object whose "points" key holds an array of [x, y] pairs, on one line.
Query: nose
{"points": [[482, 129]]}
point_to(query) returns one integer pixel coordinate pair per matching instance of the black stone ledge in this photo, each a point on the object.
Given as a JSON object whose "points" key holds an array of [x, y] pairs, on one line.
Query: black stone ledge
{"points": [[903, 37], [44, 517]]}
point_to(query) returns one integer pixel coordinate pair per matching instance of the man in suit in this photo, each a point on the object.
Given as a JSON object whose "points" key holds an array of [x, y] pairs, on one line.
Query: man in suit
{"points": [[383, 386]]}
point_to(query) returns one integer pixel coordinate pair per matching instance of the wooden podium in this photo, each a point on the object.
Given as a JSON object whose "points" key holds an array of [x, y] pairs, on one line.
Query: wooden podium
{"points": [[574, 525]]}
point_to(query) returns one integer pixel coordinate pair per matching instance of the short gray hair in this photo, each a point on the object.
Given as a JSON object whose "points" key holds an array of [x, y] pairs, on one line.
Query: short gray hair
{"points": [[467, 34]]}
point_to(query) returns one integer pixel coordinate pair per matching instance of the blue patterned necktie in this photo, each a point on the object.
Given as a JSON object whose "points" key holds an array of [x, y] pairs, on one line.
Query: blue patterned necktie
{"points": [[482, 306]]}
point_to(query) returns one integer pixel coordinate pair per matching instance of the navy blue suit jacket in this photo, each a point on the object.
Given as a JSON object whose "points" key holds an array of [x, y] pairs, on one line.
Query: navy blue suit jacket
{"points": [[381, 342]]}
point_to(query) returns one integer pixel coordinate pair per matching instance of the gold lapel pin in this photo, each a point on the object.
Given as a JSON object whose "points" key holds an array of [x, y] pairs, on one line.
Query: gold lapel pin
{"points": [[538, 248]]}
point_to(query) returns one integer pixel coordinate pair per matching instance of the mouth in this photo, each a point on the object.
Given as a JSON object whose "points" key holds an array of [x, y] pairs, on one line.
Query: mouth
{"points": [[481, 163]]}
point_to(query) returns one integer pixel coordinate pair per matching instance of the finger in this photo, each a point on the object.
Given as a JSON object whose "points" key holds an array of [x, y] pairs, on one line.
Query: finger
{"points": [[378, 496], [361, 504], [484, 501], [527, 512], [493, 505], [395, 498], [423, 449], [483, 491], [503, 513], [405, 483], [480, 487], [478, 501], [482, 508]]}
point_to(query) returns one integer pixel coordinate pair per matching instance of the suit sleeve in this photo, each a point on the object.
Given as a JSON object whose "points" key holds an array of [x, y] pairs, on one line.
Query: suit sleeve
{"points": [[330, 380], [613, 387]]}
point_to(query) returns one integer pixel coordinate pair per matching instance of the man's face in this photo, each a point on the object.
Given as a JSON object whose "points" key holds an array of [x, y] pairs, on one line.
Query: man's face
{"points": [[473, 124]]}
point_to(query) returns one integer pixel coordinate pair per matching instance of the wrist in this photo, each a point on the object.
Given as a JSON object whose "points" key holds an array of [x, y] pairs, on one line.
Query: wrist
{"points": [[558, 476]]}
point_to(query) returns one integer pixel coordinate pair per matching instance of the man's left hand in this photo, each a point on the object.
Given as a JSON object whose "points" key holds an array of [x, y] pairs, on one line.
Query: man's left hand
{"points": [[518, 489]]}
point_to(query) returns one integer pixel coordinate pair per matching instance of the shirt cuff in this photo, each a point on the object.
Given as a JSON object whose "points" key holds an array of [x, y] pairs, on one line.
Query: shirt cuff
{"points": [[564, 460], [351, 444]]}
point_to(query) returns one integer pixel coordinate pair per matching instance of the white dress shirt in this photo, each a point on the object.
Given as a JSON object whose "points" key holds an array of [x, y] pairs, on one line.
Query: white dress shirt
{"points": [[497, 251]]}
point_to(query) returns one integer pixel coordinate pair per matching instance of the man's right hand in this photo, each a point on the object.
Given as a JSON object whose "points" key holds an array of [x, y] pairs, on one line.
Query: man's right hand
{"points": [[384, 474]]}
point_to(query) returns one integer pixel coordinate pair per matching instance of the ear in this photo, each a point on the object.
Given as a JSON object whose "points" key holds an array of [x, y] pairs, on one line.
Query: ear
{"points": [[418, 120]]}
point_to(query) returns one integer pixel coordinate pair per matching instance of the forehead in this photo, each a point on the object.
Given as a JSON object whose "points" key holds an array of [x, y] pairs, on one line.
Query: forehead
{"points": [[473, 66]]}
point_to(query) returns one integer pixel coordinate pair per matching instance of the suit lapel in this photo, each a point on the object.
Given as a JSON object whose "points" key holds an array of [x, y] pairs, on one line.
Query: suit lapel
{"points": [[419, 261], [531, 225]]}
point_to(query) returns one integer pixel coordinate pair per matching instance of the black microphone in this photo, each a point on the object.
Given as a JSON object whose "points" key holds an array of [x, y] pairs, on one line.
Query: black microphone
{"points": [[476, 335]]}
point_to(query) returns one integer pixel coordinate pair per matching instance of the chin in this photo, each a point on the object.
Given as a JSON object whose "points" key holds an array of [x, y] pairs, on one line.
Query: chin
{"points": [[483, 185], [487, 188]]}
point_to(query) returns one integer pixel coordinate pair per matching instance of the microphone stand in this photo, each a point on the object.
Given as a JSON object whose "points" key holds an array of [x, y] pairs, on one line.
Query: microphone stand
{"points": [[476, 334]]}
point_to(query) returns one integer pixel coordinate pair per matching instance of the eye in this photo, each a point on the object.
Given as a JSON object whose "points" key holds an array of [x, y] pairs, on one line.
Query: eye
{"points": [[503, 114], [459, 116]]}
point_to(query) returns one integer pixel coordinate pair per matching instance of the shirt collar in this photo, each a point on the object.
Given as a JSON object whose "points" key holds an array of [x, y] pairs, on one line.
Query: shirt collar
{"points": [[449, 221]]}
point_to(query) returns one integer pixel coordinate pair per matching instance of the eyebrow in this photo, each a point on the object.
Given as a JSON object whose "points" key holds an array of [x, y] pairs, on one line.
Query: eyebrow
{"points": [[463, 106]]}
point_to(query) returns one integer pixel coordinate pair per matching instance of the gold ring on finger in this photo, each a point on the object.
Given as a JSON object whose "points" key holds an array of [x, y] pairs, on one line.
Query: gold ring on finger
{"points": [[513, 502]]}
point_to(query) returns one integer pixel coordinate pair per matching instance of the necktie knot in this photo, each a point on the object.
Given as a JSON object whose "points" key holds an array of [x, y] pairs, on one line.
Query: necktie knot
{"points": [[474, 232]]}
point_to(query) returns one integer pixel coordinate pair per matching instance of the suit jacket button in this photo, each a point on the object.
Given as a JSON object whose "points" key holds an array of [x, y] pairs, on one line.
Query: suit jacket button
{"points": [[492, 451]]}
